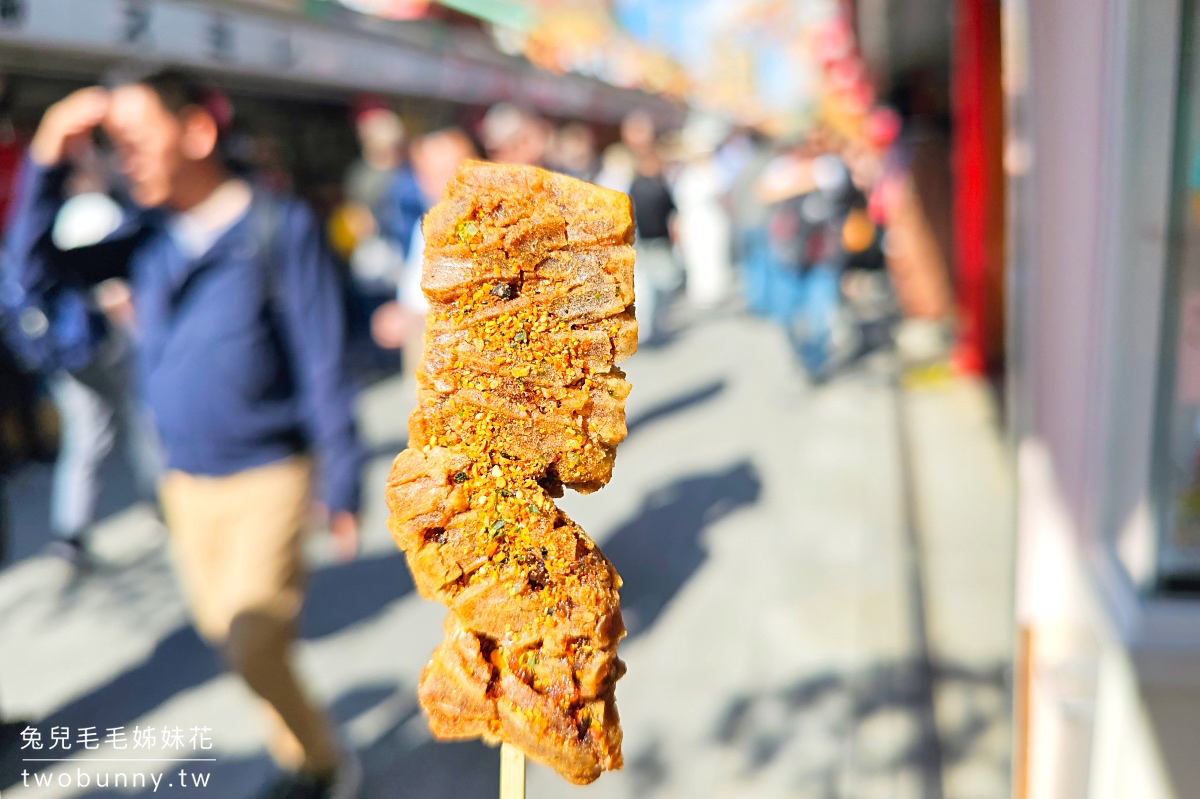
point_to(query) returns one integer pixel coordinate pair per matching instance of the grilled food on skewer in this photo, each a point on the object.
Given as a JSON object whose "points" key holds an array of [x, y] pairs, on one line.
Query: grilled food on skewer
{"points": [[529, 276]]}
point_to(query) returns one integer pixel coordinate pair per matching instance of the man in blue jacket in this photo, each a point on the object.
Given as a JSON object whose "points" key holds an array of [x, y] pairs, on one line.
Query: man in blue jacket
{"points": [[240, 334]]}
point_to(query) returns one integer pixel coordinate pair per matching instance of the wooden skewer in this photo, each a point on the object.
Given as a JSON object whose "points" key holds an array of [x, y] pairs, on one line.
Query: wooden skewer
{"points": [[512, 772]]}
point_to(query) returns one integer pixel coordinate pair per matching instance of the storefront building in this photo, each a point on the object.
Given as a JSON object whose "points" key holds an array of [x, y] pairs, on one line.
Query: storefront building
{"points": [[1102, 154]]}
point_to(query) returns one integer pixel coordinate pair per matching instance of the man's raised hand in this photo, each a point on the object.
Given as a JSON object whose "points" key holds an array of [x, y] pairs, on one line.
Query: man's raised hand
{"points": [[66, 123]]}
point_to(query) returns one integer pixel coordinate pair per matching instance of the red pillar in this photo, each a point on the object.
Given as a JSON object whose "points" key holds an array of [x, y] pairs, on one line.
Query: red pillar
{"points": [[978, 184]]}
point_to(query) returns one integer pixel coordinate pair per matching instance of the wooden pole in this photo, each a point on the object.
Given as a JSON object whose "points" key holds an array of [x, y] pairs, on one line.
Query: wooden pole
{"points": [[512, 772]]}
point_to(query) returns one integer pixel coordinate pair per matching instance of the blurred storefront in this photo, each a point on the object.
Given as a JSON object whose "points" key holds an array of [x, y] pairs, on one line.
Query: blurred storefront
{"points": [[938, 61], [294, 68], [295, 71], [307, 47], [1103, 102]]}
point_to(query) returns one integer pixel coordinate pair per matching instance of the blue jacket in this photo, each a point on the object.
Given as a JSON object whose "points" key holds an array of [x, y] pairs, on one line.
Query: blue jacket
{"points": [[401, 208], [237, 372]]}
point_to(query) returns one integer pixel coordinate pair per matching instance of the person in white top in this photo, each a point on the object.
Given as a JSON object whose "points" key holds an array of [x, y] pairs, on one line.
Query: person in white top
{"points": [[703, 224]]}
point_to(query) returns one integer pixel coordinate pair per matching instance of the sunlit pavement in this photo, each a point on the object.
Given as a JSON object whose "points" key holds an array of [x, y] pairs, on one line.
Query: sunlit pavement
{"points": [[817, 587]]}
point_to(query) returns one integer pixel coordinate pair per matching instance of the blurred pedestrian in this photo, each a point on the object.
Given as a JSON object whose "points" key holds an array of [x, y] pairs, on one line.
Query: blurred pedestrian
{"points": [[639, 135], [436, 156], [750, 215], [810, 243], [400, 211], [618, 167], [240, 330], [96, 401], [378, 216], [656, 274], [573, 151], [401, 324], [515, 135], [380, 134], [703, 226]]}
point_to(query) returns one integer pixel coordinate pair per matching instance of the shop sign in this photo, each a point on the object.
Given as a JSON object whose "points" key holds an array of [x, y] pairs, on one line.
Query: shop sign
{"points": [[242, 41]]}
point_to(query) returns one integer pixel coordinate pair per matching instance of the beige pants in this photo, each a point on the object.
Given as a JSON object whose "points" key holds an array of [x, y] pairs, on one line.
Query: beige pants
{"points": [[237, 543]]}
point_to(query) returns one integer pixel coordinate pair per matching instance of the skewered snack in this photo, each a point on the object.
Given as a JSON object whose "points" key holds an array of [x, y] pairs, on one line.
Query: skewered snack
{"points": [[529, 276]]}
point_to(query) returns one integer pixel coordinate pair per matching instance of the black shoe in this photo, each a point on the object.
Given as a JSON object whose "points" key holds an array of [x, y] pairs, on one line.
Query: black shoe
{"points": [[299, 785], [72, 550]]}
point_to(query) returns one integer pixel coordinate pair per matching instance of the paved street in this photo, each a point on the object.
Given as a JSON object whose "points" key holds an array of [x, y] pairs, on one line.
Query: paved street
{"points": [[817, 588]]}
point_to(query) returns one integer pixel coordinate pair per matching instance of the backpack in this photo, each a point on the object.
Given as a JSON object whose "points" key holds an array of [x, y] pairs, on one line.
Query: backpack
{"points": [[50, 332], [265, 215], [59, 328]]}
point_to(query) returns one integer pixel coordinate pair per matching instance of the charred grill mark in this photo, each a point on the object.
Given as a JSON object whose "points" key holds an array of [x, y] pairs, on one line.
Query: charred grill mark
{"points": [[488, 648], [551, 483], [537, 575], [584, 725]]}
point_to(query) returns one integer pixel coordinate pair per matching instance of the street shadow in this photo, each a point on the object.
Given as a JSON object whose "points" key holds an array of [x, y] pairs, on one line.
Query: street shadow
{"points": [[132, 588], [677, 317], [29, 493], [338, 596], [673, 321], [809, 726], [675, 405], [404, 761], [345, 594], [659, 550], [246, 777], [404, 764], [661, 338], [648, 770], [359, 700]]}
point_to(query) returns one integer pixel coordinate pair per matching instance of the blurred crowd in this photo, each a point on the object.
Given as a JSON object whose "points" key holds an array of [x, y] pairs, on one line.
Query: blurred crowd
{"points": [[793, 230], [166, 291]]}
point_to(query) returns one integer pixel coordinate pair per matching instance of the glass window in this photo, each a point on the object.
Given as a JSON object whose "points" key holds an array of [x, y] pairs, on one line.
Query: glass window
{"points": [[1178, 472]]}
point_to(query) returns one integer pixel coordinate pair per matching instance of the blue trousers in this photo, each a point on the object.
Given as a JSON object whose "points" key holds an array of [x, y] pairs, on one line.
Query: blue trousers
{"points": [[810, 326], [805, 303]]}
